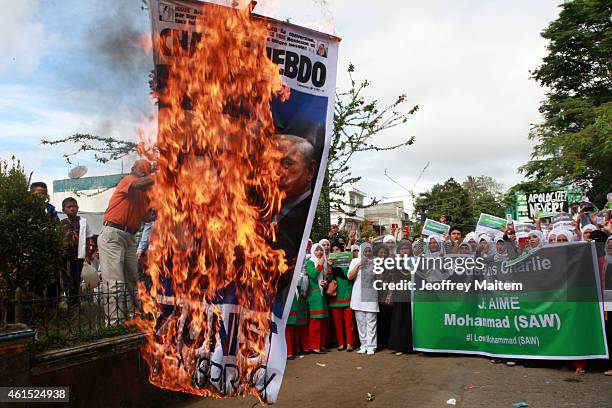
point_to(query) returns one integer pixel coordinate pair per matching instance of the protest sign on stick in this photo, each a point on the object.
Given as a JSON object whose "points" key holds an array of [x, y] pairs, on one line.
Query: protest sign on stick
{"points": [[490, 224], [431, 227]]}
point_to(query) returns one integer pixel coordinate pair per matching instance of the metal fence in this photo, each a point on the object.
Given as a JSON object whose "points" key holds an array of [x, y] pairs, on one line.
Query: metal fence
{"points": [[63, 320]]}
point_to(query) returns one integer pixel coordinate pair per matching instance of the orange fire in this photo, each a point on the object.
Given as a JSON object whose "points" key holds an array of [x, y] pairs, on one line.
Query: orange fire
{"points": [[216, 193]]}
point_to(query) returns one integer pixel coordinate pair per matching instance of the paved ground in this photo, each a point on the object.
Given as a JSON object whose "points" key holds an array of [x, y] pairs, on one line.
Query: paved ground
{"points": [[427, 381]]}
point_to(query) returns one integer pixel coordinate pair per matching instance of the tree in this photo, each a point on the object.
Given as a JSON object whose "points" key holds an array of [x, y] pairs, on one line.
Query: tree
{"points": [[451, 200], [486, 195], [574, 143], [366, 230], [32, 242], [356, 122]]}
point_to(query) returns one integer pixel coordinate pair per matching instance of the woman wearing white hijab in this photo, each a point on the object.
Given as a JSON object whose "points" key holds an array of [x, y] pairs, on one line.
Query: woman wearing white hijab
{"points": [[536, 239], [586, 231], [501, 250], [563, 235], [390, 243], [472, 240], [434, 245], [318, 325], [486, 247], [326, 245], [364, 299]]}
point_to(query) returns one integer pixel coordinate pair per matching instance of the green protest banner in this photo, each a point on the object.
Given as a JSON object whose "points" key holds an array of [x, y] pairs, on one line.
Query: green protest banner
{"points": [[431, 227], [542, 305], [490, 224], [341, 258]]}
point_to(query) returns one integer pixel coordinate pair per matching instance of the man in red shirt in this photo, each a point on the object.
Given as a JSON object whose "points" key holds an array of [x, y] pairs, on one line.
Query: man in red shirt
{"points": [[127, 208]]}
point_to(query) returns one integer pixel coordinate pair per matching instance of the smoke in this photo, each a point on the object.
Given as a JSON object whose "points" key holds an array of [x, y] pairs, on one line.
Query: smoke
{"points": [[118, 47], [102, 61], [106, 62]]}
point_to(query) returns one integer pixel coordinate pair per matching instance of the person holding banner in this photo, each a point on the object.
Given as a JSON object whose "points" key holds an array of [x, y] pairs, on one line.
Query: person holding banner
{"points": [[339, 305], [501, 249], [536, 239], [400, 332], [316, 269], [364, 299], [389, 242], [453, 239], [485, 247], [587, 230], [472, 240], [385, 302]]}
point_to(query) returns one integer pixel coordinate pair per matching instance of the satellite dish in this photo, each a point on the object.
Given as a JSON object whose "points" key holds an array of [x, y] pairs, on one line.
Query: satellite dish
{"points": [[77, 172]]}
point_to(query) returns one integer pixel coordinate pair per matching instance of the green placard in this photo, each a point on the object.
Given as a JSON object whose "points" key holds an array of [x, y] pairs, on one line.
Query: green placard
{"points": [[341, 258], [431, 227], [490, 224]]}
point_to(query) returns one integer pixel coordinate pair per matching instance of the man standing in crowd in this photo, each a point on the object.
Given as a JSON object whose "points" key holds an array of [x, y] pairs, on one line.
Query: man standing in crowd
{"points": [[127, 208], [455, 237], [40, 188]]}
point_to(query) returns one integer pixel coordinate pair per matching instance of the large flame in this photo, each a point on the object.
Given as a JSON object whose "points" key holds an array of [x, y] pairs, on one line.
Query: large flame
{"points": [[216, 193]]}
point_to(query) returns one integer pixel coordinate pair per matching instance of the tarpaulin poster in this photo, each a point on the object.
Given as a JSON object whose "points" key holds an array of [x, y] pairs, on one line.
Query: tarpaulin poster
{"points": [[307, 62], [545, 304]]}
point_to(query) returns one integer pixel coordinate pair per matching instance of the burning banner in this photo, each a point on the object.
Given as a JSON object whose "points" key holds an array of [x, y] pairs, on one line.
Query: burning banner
{"points": [[245, 117]]}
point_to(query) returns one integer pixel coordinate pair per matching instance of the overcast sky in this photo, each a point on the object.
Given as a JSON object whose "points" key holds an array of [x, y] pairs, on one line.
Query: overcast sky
{"points": [[465, 63]]}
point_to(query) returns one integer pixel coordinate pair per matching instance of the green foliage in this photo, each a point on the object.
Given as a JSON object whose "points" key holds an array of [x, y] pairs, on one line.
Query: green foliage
{"points": [[580, 154], [579, 59], [366, 230], [105, 149], [451, 200], [486, 195], [357, 121], [59, 339], [32, 243], [574, 143]]}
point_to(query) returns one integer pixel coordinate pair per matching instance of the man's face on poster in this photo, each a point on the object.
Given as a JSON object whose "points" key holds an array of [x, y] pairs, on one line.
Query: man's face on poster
{"points": [[297, 167]]}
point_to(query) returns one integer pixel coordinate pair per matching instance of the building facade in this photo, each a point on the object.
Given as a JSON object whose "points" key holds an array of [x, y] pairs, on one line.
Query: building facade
{"points": [[387, 218], [353, 216]]}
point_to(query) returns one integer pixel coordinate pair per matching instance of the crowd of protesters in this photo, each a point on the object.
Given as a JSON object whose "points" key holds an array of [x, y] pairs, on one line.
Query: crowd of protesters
{"points": [[382, 320], [330, 305]]}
